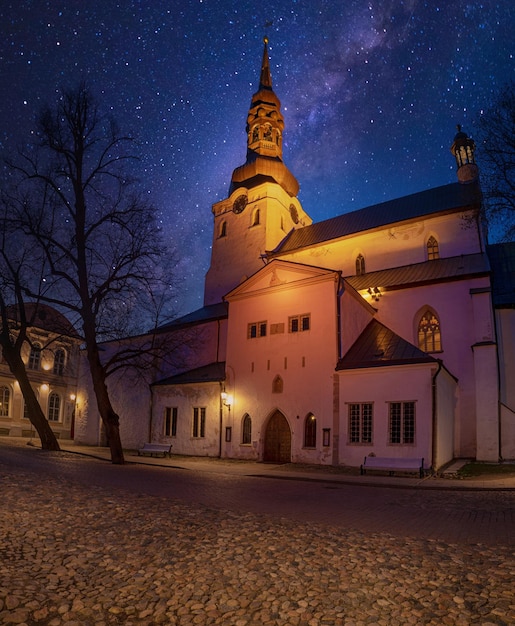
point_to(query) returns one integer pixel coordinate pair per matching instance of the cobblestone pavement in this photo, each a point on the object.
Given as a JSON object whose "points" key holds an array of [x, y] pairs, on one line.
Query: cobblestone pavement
{"points": [[74, 554]]}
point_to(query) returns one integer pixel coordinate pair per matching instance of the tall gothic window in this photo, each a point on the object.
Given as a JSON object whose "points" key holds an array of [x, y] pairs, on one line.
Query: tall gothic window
{"points": [[310, 431], [433, 251], [54, 407], [246, 430], [429, 337], [360, 265]]}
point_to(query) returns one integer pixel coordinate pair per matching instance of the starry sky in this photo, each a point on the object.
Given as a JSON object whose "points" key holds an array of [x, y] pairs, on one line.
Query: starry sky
{"points": [[371, 93]]}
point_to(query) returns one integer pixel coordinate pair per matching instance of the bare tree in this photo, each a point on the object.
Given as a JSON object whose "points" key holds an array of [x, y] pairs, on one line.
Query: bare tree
{"points": [[100, 240], [497, 158]]}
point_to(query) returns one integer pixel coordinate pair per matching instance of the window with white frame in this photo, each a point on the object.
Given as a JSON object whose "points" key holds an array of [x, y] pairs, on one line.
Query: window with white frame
{"points": [[360, 422], [170, 421], [199, 422], [54, 407], [401, 427], [34, 357], [5, 400]]}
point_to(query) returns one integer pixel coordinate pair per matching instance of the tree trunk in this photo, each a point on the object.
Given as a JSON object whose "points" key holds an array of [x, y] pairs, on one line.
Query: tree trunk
{"points": [[107, 413], [35, 412]]}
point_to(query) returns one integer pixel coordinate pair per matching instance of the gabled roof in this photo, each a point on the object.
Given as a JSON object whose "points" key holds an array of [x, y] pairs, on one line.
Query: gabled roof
{"points": [[437, 270], [444, 199], [212, 373], [502, 260], [379, 346], [207, 313]]}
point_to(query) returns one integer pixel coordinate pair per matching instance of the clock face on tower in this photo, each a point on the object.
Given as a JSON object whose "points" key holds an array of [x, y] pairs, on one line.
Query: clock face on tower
{"points": [[239, 204]]}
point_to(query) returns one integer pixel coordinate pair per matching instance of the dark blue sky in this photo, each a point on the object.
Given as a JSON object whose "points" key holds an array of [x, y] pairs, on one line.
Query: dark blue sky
{"points": [[371, 92]]}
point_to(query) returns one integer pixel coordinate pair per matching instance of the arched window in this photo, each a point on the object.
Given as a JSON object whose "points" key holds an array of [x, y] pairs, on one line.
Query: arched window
{"points": [[360, 265], [432, 249], [54, 407], [34, 357], [255, 218], [5, 398], [223, 229], [277, 385], [255, 134], [429, 337], [246, 429], [59, 358], [310, 431]]}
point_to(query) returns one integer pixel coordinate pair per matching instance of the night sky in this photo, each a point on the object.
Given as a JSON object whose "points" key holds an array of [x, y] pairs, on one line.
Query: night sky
{"points": [[371, 92]]}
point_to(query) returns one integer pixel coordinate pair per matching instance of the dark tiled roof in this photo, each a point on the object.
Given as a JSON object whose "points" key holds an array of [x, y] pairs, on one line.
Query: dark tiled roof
{"points": [[432, 201], [212, 373], [205, 314], [502, 260], [451, 268], [45, 317], [377, 346]]}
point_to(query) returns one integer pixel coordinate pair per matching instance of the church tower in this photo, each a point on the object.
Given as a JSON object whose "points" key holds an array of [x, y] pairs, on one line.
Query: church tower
{"points": [[463, 148], [262, 207]]}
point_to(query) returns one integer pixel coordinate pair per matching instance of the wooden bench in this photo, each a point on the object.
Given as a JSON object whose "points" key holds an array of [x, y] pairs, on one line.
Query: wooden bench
{"points": [[392, 465], [156, 448]]}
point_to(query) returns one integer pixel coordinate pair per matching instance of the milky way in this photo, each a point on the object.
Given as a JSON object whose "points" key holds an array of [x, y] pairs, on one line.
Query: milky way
{"points": [[371, 92]]}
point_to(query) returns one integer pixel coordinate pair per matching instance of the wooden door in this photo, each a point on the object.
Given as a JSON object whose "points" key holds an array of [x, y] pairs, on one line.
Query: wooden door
{"points": [[277, 440]]}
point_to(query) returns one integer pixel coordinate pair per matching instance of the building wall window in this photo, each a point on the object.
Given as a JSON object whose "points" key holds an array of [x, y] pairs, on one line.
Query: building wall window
{"points": [[170, 421], [246, 429], [401, 428], [360, 265], [277, 384], [5, 400], [299, 323], [59, 360], [199, 422], [433, 251], [223, 229], [256, 329], [34, 357], [429, 336], [310, 431], [256, 218], [360, 422], [54, 407]]}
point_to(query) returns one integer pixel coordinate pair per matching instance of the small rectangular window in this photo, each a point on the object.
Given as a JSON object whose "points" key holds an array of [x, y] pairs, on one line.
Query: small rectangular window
{"points": [[299, 323], [170, 425], [401, 429], [256, 329], [360, 423], [199, 422]]}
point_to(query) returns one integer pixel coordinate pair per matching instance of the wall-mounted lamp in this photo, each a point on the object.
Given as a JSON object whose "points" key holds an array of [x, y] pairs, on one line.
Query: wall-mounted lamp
{"points": [[227, 399], [374, 293]]}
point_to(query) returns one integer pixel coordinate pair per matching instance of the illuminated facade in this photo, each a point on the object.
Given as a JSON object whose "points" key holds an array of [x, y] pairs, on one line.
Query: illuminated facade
{"points": [[381, 331], [51, 357]]}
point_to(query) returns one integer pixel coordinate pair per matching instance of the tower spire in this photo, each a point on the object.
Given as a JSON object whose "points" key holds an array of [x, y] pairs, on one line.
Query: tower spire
{"points": [[265, 80], [265, 125]]}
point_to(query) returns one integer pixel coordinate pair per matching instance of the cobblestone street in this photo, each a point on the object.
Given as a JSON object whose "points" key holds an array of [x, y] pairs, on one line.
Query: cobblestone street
{"points": [[74, 554]]}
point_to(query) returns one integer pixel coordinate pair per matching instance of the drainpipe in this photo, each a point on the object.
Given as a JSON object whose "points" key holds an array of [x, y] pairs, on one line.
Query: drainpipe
{"points": [[434, 429], [221, 419]]}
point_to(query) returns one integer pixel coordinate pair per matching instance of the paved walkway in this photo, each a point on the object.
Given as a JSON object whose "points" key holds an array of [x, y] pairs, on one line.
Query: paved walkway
{"points": [[300, 472]]}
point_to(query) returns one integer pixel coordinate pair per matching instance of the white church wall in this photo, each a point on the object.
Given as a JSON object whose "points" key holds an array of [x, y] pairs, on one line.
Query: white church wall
{"points": [[505, 323], [304, 361], [380, 386]]}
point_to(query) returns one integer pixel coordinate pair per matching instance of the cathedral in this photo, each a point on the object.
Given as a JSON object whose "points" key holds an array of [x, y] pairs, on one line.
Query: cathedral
{"points": [[388, 331]]}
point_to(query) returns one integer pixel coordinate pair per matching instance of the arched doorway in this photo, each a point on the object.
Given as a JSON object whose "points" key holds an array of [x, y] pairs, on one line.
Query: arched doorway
{"points": [[277, 440]]}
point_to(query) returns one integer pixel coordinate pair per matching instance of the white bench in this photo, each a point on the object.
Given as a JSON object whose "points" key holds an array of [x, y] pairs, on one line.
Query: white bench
{"points": [[156, 448], [393, 464]]}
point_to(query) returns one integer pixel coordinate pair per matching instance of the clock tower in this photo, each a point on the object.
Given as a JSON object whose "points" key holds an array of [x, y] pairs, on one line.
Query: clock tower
{"points": [[262, 207]]}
